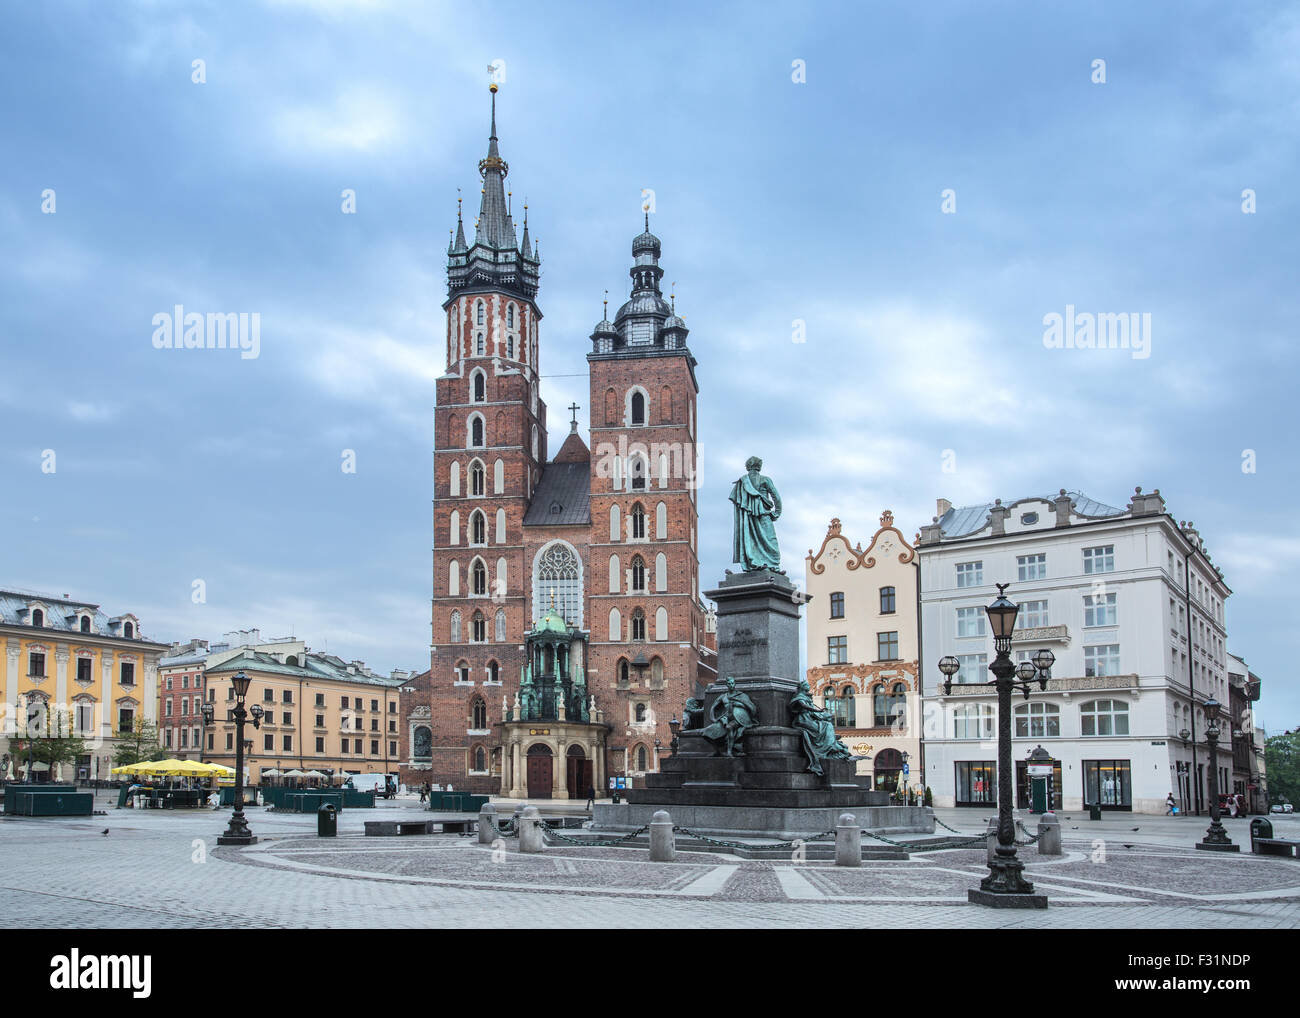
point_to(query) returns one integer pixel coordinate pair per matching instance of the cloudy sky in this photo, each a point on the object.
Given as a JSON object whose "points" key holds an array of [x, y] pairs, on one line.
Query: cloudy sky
{"points": [[819, 200]]}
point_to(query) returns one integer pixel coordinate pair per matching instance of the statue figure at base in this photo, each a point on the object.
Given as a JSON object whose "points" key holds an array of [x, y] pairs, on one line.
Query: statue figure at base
{"points": [[816, 729], [757, 507], [692, 714], [732, 715]]}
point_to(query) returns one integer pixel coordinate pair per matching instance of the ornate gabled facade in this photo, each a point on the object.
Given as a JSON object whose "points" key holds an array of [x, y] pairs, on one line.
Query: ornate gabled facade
{"points": [[606, 542], [862, 648]]}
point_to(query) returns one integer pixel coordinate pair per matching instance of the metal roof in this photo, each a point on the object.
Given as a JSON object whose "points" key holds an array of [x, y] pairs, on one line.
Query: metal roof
{"points": [[62, 615], [965, 520], [315, 666]]}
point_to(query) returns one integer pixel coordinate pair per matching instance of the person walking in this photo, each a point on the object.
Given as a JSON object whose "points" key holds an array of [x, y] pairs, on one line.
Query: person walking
{"points": [[1171, 807], [591, 796]]}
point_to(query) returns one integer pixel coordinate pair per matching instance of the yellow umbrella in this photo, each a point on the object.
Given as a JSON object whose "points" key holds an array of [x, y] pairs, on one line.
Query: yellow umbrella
{"points": [[189, 769], [220, 769]]}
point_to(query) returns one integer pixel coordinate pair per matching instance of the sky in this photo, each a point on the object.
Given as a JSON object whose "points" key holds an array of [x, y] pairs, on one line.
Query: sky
{"points": [[867, 211]]}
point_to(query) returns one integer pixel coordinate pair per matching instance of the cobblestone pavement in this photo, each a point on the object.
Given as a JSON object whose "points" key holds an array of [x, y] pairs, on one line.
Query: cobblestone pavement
{"points": [[164, 870]]}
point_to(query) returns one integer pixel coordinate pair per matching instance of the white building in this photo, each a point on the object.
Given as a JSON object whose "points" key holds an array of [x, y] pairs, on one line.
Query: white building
{"points": [[1111, 592]]}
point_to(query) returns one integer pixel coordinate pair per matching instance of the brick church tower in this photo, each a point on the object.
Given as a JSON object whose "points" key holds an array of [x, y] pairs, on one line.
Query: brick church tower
{"points": [[647, 622], [567, 626], [489, 447]]}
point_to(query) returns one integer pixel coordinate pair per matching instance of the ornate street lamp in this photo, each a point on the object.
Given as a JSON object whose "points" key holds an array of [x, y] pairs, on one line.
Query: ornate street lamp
{"points": [[1216, 838], [238, 833], [1005, 886]]}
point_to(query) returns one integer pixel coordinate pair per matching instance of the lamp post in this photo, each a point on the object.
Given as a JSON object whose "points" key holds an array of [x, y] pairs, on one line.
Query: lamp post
{"points": [[905, 755], [238, 833], [1216, 838], [675, 727], [32, 715], [1005, 886]]}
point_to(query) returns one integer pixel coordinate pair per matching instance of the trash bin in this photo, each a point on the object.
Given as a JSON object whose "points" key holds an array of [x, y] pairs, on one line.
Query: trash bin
{"points": [[327, 821], [1094, 811], [1259, 828]]}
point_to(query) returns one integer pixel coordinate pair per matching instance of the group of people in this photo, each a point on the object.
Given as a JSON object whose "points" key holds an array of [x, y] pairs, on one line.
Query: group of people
{"points": [[1234, 805]]}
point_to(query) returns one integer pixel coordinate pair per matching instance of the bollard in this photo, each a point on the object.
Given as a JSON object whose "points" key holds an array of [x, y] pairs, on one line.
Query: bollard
{"points": [[1049, 835], [487, 826], [662, 846], [530, 830], [848, 841], [993, 839]]}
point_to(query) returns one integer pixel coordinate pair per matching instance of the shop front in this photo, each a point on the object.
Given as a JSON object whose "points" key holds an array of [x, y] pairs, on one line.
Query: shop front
{"points": [[1108, 783], [977, 782]]}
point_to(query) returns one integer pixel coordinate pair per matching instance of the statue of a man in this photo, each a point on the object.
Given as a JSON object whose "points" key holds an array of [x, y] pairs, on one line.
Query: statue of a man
{"points": [[732, 715], [757, 507], [816, 730]]}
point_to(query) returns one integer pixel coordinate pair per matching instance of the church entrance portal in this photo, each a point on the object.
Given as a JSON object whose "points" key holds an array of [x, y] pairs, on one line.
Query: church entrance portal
{"points": [[540, 772], [579, 774]]}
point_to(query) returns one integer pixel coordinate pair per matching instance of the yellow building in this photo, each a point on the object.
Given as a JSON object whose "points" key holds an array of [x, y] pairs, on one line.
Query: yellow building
{"points": [[863, 649], [69, 658], [321, 713]]}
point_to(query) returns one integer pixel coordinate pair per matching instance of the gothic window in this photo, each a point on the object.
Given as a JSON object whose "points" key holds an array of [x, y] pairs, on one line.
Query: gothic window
{"points": [[476, 432], [500, 629], [498, 478], [638, 408], [611, 407], [480, 387], [480, 628], [454, 481], [510, 347], [501, 526], [479, 712], [480, 577], [638, 626], [557, 572], [661, 521], [636, 471], [455, 627], [480, 759], [462, 674], [616, 631], [510, 316], [479, 314], [638, 575], [453, 579], [661, 623], [476, 479], [614, 535], [493, 672], [640, 712], [502, 429], [642, 761], [499, 591], [656, 672], [663, 470], [534, 441], [454, 536], [614, 573], [480, 345], [638, 522], [666, 405], [661, 572], [477, 528]]}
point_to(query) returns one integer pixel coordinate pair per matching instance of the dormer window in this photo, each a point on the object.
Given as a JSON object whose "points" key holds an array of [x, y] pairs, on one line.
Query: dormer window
{"points": [[38, 618], [1028, 519], [128, 630], [85, 623]]}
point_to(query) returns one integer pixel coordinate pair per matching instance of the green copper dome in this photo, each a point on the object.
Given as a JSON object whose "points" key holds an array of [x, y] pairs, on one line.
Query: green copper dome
{"points": [[551, 622]]}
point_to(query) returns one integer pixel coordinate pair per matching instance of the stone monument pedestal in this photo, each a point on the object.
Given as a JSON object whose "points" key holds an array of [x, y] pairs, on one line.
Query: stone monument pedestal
{"points": [[767, 789]]}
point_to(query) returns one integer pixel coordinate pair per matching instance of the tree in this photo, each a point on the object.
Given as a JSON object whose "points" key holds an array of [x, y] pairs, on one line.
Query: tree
{"points": [[1282, 766], [56, 746], [141, 744]]}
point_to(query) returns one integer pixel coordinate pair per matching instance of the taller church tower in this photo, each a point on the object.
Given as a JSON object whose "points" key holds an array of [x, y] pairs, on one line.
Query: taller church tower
{"points": [[489, 447]]}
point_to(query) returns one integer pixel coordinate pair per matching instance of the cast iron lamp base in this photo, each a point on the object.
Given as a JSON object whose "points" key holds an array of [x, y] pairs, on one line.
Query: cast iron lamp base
{"points": [[1215, 846], [992, 899]]}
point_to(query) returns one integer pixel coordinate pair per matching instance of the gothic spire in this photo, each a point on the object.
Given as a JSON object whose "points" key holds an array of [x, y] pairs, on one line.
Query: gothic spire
{"points": [[494, 227]]}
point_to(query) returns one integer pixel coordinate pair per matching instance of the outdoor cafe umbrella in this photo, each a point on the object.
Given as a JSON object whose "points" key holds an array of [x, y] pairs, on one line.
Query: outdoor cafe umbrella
{"points": [[295, 774], [190, 769]]}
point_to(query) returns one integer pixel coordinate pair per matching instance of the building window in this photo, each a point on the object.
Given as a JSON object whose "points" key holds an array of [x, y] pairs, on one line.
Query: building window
{"points": [[320, 720], [478, 313], [230, 740], [973, 721], [638, 575], [970, 574], [642, 760], [422, 743], [288, 744], [479, 712], [1108, 783], [128, 673], [837, 650], [636, 471], [286, 718], [320, 699], [128, 630], [479, 627], [38, 618], [638, 408], [480, 759], [846, 708], [1033, 615], [477, 528], [480, 578], [977, 782], [1100, 610], [557, 574], [268, 743], [970, 621], [83, 669], [640, 712], [1031, 567], [1100, 559], [493, 672], [36, 665], [356, 746], [638, 521], [480, 387], [887, 646], [837, 604], [623, 672], [888, 601], [320, 744], [1103, 717], [85, 623], [1102, 659], [638, 626], [1038, 720], [343, 746], [287, 696], [971, 668]]}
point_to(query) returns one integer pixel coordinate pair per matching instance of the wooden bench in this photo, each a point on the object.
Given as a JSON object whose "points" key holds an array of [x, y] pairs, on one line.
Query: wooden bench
{"points": [[1262, 841], [461, 827], [389, 828]]}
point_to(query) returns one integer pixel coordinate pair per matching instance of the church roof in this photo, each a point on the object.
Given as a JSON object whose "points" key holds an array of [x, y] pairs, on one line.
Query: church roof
{"points": [[574, 449], [563, 496]]}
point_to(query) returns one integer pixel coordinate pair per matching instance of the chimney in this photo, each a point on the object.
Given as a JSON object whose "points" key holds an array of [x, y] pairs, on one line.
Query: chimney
{"points": [[1063, 506], [998, 517], [941, 506]]}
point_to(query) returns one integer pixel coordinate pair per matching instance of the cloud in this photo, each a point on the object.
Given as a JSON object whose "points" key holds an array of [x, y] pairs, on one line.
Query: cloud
{"points": [[362, 118]]}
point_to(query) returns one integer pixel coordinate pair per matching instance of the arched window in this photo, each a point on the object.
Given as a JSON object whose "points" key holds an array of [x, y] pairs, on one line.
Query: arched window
{"points": [[642, 760], [641, 712], [477, 528], [1103, 717], [510, 347], [462, 672], [498, 477], [454, 480], [501, 429], [661, 521], [479, 625], [480, 759], [535, 446], [480, 387], [638, 626], [454, 528], [38, 618], [476, 478], [879, 706], [455, 627], [615, 627], [500, 627], [501, 527], [493, 672], [624, 671], [638, 521], [480, 577], [510, 316], [478, 313], [663, 470], [480, 345], [636, 471], [85, 623], [887, 600], [638, 408], [898, 703], [614, 534], [1038, 720], [846, 712], [503, 574], [656, 671], [615, 572], [611, 407], [661, 623], [638, 575], [557, 572], [479, 713], [453, 579], [665, 405], [661, 572], [475, 432]]}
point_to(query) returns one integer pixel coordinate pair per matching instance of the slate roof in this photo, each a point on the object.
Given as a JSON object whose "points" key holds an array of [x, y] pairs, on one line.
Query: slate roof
{"points": [[964, 520], [563, 497], [61, 615], [315, 666]]}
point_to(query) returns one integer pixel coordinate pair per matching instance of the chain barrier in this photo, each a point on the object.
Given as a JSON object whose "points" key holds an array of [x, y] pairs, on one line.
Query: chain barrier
{"points": [[1029, 838], [770, 846], [591, 843]]}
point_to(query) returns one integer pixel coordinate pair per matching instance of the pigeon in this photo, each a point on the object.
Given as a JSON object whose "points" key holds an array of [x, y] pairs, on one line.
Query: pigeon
{"points": [[104, 831], [1137, 828], [1128, 846], [1074, 828]]}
